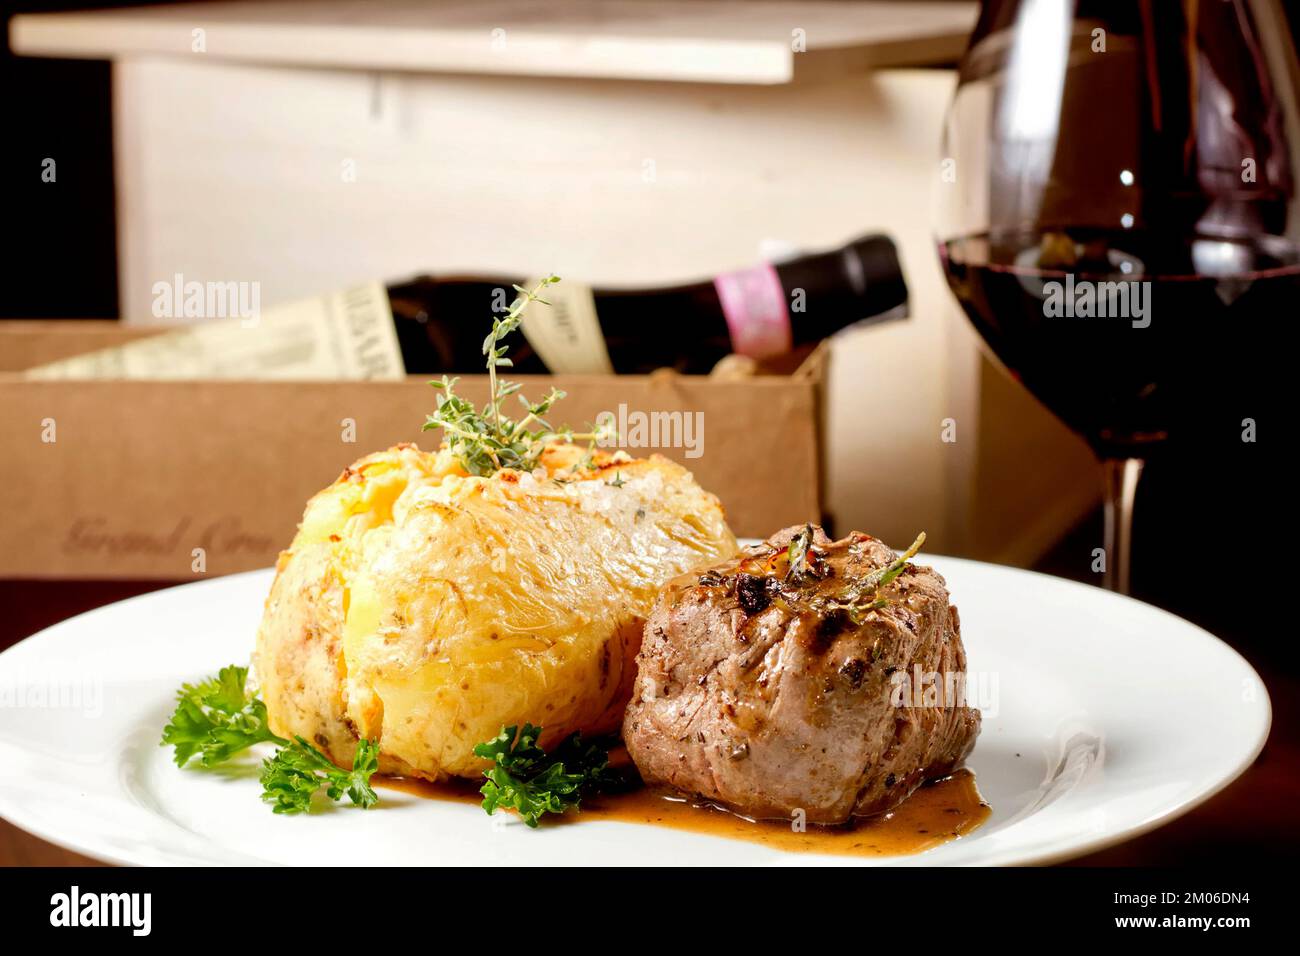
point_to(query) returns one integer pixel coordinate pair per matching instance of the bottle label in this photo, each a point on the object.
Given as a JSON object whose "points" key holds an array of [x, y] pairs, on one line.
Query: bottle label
{"points": [[753, 303], [567, 335], [346, 335]]}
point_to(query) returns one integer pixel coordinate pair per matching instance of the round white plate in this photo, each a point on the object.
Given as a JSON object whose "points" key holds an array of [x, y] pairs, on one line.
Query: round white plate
{"points": [[1104, 718]]}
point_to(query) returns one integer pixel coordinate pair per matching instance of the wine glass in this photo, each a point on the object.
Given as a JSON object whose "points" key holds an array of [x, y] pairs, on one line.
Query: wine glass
{"points": [[1118, 217]]}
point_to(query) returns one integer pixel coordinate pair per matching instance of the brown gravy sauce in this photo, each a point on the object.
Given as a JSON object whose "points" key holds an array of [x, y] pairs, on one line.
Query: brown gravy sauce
{"points": [[936, 813]]}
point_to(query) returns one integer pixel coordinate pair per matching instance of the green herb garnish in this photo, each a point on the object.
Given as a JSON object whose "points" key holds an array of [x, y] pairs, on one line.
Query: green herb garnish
{"points": [[215, 719], [805, 561], [863, 595], [485, 441], [880, 577], [218, 718], [291, 778], [524, 778]]}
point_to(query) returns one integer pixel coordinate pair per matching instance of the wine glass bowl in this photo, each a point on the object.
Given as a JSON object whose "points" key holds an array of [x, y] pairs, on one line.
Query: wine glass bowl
{"points": [[1118, 219]]}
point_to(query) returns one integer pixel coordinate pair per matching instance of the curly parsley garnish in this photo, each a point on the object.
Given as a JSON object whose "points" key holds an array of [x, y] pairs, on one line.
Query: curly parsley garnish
{"points": [[215, 719], [218, 718], [485, 441], [524, 778], [291, 778]]}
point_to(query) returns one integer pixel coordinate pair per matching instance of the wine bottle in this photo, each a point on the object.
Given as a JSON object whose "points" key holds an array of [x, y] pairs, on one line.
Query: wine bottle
{"points": [[760, 312], [434, 324]]}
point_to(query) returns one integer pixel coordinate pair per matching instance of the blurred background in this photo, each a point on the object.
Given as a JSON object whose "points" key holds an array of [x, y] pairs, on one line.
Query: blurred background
{"points": [[636, 170]]}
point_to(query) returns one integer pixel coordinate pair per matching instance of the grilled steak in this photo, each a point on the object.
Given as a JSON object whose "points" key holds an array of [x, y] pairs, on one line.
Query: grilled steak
{"points": [[794, 677]]}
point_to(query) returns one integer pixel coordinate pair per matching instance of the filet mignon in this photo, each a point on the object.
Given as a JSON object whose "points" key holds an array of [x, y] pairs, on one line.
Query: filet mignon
{"points": [[772, 683]]}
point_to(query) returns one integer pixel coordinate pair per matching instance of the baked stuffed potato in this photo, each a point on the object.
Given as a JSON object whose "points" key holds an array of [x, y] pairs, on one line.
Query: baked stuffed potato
{"points": [[427, 608]]}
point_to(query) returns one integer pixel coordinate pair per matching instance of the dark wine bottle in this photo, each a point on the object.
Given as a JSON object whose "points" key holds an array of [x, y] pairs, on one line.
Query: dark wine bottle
{"points": [[436, 324], [762, 312]]}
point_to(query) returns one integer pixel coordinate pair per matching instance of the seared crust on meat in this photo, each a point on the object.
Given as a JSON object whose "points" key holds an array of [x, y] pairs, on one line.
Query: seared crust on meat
{"points": [[757, 690]]}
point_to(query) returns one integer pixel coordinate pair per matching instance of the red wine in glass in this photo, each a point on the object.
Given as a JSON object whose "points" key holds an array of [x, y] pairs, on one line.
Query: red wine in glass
{"points": [[1119, 219], [1131, 360]]}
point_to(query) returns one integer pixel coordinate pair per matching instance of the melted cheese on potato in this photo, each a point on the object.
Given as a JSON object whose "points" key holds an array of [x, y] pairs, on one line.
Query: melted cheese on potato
{"points": [[428, 608]]}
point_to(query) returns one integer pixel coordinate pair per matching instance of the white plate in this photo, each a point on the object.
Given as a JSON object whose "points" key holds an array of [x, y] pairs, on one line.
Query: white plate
{"points": [[1111, 718]]}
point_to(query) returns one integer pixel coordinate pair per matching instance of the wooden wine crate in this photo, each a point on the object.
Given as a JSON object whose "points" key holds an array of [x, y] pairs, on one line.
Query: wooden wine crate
{"points": [[116, 479]]}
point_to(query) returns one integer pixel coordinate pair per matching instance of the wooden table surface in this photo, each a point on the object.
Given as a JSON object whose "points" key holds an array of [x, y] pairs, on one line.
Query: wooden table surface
{"points": [[1253, 820]]}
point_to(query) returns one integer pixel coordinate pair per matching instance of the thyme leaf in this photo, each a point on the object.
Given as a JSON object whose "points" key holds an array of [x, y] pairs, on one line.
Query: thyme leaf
{"points": [[486, 440], [804, 559], [864, 594]]}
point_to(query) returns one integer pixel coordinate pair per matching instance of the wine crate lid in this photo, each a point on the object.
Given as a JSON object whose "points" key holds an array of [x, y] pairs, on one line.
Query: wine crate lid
{"points": [[713, 41]]}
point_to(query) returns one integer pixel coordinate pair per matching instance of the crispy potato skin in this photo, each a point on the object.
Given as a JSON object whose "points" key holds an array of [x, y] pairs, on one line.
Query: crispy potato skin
{"points": [[427, 608]]}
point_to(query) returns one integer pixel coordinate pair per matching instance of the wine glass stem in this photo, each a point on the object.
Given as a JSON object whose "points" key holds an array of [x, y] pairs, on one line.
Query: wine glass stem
{"points": [[1122, 476]]}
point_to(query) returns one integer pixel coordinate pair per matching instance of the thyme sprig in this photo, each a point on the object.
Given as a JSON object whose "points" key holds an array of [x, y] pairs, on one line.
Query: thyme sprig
{"points": [[485, 441], [805, 560], [863, 595]]}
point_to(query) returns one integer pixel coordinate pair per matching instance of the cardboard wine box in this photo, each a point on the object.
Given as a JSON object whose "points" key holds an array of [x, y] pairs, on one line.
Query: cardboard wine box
{"points": [[130, 479]]}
